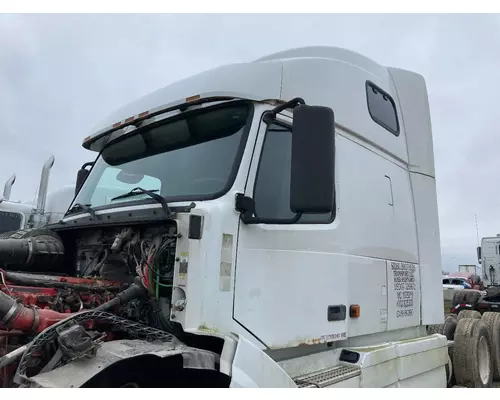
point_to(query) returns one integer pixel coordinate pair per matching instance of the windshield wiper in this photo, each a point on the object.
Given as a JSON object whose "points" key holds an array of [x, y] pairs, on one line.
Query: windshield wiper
{"points": [[82, 207], [151, 193]]}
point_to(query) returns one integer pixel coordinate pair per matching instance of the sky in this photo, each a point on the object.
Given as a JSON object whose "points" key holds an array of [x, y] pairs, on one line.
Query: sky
{"points": [[62, 74]]}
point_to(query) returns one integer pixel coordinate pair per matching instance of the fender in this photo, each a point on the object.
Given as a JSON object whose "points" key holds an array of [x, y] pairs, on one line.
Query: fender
{"points": [[111, 354], [247, 365], [252, 368]]}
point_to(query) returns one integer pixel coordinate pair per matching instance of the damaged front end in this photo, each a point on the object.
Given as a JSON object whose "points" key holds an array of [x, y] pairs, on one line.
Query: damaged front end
{"points": [[104, 322], [146, 358]]}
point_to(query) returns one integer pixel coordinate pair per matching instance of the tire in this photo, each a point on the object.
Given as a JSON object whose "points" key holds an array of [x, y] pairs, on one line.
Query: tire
{"points": [[458, 298], [472, 361], [472, 297], [450, 326], [448, 329], [432, 329], [493, 291], [473, 314], [492, 321]]}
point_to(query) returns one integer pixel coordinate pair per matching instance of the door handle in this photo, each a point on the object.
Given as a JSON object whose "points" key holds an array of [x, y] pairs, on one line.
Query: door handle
{"points": [[391, 203]]}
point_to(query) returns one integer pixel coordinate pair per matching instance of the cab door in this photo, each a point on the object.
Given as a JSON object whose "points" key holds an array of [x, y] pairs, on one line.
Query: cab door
{"points": [[286, 293]]}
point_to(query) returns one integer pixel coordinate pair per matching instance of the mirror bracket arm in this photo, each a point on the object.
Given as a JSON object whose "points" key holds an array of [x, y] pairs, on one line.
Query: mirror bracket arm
{"points": [[289, 104]]}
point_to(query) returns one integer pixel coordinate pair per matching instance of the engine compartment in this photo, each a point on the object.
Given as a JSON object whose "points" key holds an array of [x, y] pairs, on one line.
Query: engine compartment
{"points": [[63, 295]]}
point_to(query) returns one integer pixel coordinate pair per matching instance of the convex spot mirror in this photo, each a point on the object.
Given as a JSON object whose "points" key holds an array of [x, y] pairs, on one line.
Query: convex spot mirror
{"points": [[313, 159]]}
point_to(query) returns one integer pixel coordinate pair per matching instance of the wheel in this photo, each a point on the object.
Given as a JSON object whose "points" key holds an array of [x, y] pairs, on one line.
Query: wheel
{"points": [[472, 361], [432, 329], [493, 291], [450, 326], [447, 329], [458, 298], [469, 314], [492, 321], [472, 297]]}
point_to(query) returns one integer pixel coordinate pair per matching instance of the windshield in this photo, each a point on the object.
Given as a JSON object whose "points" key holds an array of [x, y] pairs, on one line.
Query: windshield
{"points": [[191, 157]]}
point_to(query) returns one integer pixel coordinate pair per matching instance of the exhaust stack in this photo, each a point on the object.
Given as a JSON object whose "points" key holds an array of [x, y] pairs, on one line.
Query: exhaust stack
{"points": [[44, 184], [8, 187]]}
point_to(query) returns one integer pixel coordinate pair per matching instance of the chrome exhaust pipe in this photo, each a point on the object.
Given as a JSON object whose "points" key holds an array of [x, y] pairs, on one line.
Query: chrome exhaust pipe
{"points": [[8, 187], [44, 184]]}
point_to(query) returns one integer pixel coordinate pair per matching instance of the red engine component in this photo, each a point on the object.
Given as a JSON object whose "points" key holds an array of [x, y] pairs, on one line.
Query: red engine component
{"points": [[29, 309], [31, 303], [34, 319], [39, 307], [31, 296]]}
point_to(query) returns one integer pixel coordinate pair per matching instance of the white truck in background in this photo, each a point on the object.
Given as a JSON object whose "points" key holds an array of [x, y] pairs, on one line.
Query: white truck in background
{"points": [[488, 255], [283, 215], [468, 268], [49, 207]]}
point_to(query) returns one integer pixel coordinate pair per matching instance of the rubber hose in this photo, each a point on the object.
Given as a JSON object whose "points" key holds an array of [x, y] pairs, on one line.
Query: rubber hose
{"points": [[31, 250], [134, 291]]}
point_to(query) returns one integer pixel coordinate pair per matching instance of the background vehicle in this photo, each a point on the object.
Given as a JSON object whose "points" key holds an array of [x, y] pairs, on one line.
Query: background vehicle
{"points": [[468, 268], [484, 297], [266, 224], [456, 281], [450, 286], [49, 208], [488, 255]]}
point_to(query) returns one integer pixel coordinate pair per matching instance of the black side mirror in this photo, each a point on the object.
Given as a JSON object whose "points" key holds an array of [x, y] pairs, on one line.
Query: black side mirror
{"points": [[82, 175], [313, 158], [479, 254]]}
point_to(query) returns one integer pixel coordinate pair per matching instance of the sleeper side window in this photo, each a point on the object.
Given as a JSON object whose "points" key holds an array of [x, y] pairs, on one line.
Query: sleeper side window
{"points": [[382, 108]]}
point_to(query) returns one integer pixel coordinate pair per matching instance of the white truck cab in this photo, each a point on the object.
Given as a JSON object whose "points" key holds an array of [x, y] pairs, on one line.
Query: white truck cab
{"points": [[304, 192], [49, 208], [489, 259]]}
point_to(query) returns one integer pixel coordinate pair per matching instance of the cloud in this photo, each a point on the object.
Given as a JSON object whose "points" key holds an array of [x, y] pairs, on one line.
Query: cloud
{"points": [[62, 74]]}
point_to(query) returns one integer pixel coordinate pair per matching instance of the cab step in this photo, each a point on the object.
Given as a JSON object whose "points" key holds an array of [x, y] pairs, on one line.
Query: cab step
{"points": [[327, 377]]}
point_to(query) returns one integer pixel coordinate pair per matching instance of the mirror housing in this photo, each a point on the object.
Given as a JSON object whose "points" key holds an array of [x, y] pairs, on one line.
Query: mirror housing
{"points": [[312, 185], [81, 176], [479, 254]]}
